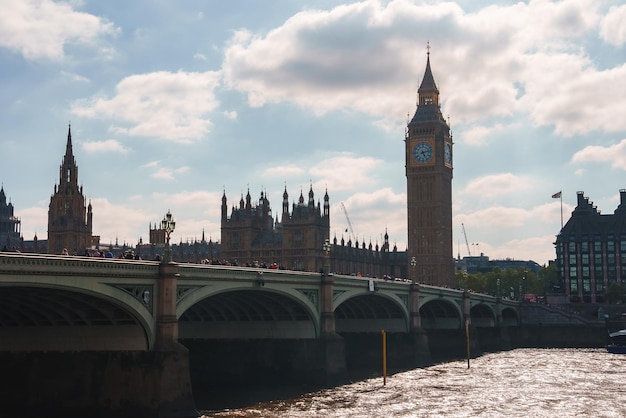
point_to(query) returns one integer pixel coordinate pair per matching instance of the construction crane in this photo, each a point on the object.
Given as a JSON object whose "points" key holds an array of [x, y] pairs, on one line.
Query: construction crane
{"points": [[345, 212], [466, 243]]}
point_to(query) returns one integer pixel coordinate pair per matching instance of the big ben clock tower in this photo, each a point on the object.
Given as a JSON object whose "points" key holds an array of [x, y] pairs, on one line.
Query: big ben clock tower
{"points": [[428, 147]]}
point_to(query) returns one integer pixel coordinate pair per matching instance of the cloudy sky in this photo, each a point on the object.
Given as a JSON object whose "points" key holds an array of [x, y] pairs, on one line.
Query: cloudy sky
{"points": [[172, 103]]}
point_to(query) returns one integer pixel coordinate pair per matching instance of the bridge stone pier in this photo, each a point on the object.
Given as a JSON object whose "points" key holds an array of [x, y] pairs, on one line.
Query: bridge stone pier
{"points": [[132, 337]]}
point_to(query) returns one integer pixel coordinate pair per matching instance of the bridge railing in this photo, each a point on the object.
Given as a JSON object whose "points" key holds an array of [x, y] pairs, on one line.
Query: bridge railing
{"points": [[50, 264]]}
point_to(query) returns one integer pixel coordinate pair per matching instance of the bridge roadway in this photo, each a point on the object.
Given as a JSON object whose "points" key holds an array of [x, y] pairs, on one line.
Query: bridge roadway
{"points": [[61, 303]]}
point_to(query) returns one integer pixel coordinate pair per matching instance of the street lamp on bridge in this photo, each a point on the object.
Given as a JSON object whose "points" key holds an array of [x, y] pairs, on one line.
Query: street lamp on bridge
{"points": [[413, 264], [326, 247], [498, 288], [168, 224]]}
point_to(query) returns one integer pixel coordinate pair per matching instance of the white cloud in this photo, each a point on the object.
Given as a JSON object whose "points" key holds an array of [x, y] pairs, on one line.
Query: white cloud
{"points": [[496, 185], [34, 222], [479, 135], [173, 106], [613, 26], [534, 248], [345, 172], [520, 57], [614, 154], [109, 145], [164, 173], [42, 28], [74, 77], [284, 171], [232, 115], [371, 215]]}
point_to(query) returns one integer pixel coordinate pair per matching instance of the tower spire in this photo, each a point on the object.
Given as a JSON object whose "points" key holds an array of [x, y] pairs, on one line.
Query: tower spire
{"points": [[428, 88], [69, 155]]}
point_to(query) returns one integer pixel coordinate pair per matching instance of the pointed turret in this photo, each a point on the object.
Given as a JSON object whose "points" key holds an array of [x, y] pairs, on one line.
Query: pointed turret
{"points": [[326, 204], [428, 88], [285, 203], [224, 206], [311, 197], [428, 109]]}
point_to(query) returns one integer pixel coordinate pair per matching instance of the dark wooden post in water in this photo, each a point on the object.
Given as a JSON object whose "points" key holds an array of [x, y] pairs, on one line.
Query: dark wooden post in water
{"points": [[419, 337], [473, 343]]}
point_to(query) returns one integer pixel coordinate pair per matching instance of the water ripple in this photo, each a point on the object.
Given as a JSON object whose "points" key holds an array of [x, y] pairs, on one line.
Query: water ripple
{"points": [[520, 383]]}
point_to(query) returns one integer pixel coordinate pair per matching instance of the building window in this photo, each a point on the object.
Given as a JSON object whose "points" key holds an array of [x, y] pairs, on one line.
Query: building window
{"points": [[585, 270], [573, 272], [610, 260], [611, 273], [584, 246], [597, 269], [573, 286], [597, 247], [584, 259], [599, 286], [586, 286], [610, 246], [572, 247], [597, 259], [297, 239], [572, 259]]}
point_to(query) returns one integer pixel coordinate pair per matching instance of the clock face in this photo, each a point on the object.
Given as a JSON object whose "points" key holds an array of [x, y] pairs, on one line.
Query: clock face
{"points": [[448, 154], [422, 152]]}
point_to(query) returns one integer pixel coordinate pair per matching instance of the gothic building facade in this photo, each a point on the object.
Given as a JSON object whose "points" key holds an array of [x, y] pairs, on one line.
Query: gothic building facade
{"points": [[69, 219], [10, 233], [591, 251], [428, 150], [251, 235]]}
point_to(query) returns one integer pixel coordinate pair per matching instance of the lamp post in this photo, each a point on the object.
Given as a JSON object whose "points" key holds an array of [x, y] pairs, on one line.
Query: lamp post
{"points": [[413, 264], [168, 224], [326, 247], [498, 288]]}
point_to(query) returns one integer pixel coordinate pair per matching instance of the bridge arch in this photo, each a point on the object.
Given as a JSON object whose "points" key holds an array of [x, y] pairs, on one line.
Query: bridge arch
{"points": [[440, 313], [510, 317], [57, 317], [243, 311], [483, 315], [365, 311]]}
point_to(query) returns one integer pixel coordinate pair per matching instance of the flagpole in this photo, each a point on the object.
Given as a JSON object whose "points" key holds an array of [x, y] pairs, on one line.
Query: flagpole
{"points": [[561, 195]]}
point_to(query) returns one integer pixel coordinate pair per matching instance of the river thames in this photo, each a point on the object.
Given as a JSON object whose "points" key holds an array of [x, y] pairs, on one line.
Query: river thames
{"points": [[518, 383]]}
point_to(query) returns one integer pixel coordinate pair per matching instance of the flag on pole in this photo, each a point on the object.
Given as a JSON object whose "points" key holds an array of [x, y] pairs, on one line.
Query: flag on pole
{"points": [[556, 195]]}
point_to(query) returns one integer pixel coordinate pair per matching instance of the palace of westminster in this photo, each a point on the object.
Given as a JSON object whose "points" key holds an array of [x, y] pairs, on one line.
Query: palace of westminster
{"points": [[590, 248]]}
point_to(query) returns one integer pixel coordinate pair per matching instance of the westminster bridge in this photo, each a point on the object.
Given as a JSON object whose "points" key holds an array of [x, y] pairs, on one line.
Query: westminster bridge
{"points": [[230, 320]]}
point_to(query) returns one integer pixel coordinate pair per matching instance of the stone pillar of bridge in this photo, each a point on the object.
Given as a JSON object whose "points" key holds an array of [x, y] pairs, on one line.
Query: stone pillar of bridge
{"points": [[166, 321], [415, 321], [333, 345], [499, 319], [327, 311], [504, 339], [419, 337], [175, 396]]}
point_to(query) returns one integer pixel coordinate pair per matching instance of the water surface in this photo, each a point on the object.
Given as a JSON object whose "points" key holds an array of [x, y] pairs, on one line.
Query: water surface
{"points": [[518, 383]]}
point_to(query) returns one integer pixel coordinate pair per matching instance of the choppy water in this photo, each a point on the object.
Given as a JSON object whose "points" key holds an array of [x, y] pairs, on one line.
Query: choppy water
{"points": [[520, 383]]}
